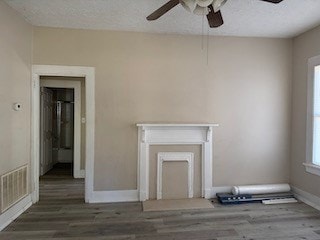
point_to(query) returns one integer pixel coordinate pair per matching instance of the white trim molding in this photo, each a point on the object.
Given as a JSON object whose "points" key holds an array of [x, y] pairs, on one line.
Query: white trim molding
{"points": [[81, 173], [15, 211], [114, 196], [309, 165], [312, 168], [63, 71], [175, 157], [307, 198], [174, 134]]}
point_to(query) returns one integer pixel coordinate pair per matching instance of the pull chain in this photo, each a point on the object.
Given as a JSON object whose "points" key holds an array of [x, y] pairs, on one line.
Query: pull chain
{"points": [[202, 33], [208, 45]]}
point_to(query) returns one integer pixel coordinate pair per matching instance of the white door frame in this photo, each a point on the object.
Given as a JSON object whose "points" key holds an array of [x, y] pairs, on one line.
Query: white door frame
{"points": [[63, 71], [76, 86]]}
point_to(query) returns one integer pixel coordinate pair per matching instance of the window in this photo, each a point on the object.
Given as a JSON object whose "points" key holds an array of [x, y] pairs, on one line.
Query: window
{"points": [[316, 117], [313, 117]]}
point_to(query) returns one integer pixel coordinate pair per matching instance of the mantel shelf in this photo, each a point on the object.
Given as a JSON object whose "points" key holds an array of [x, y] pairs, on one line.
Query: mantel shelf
{"points": [[177, 125]]}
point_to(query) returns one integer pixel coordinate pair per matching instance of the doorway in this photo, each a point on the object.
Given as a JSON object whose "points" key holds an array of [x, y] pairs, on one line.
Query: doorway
{"points": [[61, 142], [69, 102], [57, 131], [88, 76]]}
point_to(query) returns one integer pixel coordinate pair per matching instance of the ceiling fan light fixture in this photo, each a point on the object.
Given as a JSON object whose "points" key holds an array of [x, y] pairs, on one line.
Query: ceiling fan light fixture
{"points": [[217, 4], [201, 11], [189, 5], [204, 3], [198, 7]]}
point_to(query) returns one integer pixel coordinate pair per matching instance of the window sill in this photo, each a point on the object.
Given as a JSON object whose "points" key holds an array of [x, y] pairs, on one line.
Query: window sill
{"points": [[312, 168]]}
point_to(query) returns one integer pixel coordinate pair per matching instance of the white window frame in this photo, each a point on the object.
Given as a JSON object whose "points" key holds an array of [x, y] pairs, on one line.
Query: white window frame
{"points": [[309, 165]]}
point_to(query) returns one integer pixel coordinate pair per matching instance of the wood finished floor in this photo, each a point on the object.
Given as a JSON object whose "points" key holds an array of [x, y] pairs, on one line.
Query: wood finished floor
{"points": [[62, 214]]}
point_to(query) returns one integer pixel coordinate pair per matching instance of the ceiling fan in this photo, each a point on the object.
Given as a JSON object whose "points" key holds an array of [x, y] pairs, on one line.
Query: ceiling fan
{"points": [[210, 8]]}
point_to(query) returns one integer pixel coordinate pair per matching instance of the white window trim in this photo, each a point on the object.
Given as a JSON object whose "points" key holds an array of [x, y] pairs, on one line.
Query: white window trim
{"points": [[309, 165]]}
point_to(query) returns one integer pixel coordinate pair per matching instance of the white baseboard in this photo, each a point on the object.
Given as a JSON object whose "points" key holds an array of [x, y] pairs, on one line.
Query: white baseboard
{"points": [[306, 197], [15, 211], [133, 196], [79, 174], [215, 190], [114, 196]]}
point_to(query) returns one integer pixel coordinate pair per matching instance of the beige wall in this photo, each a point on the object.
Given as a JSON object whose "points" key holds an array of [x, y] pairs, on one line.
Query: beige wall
{"points": [[15, 86], [245, 87], [304, 46]]}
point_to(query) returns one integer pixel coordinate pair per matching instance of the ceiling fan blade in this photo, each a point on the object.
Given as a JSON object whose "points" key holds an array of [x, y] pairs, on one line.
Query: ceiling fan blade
{"points": [[272, 1], [162, 10], [214, 18]]}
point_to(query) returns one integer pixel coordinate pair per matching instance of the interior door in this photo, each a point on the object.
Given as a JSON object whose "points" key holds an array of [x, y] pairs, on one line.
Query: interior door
{"points": [[46, 160]]}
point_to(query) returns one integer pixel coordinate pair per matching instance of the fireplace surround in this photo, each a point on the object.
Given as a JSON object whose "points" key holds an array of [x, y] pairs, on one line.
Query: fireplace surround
{"points": [[174, 134]]}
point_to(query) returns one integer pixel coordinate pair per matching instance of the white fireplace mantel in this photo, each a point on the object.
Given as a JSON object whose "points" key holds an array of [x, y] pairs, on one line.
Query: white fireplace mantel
{"points": [[174, 134]]}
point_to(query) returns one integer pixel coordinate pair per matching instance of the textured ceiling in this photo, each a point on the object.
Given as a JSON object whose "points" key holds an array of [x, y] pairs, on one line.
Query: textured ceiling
{"points": [[242, 17]]}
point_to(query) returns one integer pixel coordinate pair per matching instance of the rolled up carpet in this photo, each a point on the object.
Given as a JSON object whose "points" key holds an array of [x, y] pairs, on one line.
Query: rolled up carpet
{"points": [[261, 189]]}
